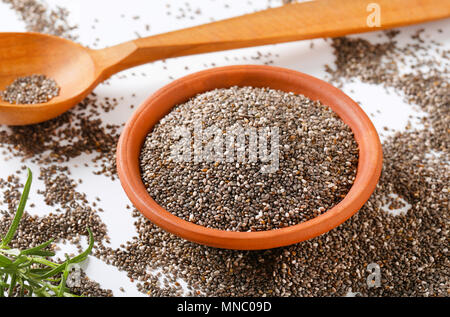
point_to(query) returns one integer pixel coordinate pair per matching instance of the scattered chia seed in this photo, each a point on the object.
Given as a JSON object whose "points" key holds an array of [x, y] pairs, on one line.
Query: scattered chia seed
{"points": [[32, 89], [76, 132], [318, 157], [90, 288], [39, 18]]}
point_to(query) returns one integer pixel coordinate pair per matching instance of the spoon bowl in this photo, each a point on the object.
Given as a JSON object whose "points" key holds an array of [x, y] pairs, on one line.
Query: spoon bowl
{"points": [[51, 56], [179, 91]]}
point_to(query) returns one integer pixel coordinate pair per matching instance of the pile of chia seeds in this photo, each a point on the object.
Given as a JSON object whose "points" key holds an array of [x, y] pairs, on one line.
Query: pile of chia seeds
{"points": [[411, 248], [32, 89], [316, 163]]}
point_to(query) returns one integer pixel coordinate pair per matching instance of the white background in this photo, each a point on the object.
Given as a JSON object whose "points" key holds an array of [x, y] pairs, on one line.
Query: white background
{"points": [[384, 109]]}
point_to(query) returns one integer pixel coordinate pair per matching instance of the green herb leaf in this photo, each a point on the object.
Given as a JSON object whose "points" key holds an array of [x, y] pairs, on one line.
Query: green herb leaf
{"points": [[62, 284], [22, 289], [15, 223], [33, 251], [79, 258], [4, 261], [12, 285]]}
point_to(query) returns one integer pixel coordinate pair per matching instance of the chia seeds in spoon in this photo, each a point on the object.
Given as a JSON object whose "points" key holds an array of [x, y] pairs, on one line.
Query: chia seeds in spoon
{"points": [[411, 248], [317, 160], [32, 89]]}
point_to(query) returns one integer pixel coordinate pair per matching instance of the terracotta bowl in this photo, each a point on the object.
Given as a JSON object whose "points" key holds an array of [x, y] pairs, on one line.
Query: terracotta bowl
{"points": [[179, 91]]}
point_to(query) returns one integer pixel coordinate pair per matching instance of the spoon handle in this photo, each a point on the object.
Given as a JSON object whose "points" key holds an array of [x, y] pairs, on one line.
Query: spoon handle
{"points": [[292, 22]]}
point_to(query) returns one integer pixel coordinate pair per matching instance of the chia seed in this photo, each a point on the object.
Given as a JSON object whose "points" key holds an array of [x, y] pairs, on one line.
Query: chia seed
{"points": [[32, 89], [39, 18]]}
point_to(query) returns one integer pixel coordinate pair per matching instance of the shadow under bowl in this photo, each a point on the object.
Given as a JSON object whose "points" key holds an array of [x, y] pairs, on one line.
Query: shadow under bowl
{"points": [[179, 91]]}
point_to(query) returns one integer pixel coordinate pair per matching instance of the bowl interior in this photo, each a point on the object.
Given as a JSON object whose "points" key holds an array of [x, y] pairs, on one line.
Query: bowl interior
{"points": [[179, 91]]}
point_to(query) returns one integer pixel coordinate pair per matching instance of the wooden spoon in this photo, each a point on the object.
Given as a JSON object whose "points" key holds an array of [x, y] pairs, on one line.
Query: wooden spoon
{"points": [[77, 69]]}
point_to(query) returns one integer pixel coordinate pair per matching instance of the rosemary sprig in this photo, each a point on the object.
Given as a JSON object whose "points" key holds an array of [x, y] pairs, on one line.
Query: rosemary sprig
{"points": [[29, 272]]}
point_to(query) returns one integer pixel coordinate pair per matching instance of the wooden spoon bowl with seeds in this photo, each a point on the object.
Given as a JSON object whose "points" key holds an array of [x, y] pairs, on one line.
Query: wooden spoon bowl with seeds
{"points": [[179, 91], [77, 70], [67, 63]]}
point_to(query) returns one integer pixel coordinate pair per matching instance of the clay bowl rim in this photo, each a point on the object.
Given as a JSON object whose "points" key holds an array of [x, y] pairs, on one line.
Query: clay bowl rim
{"points": [[178, 91]]}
